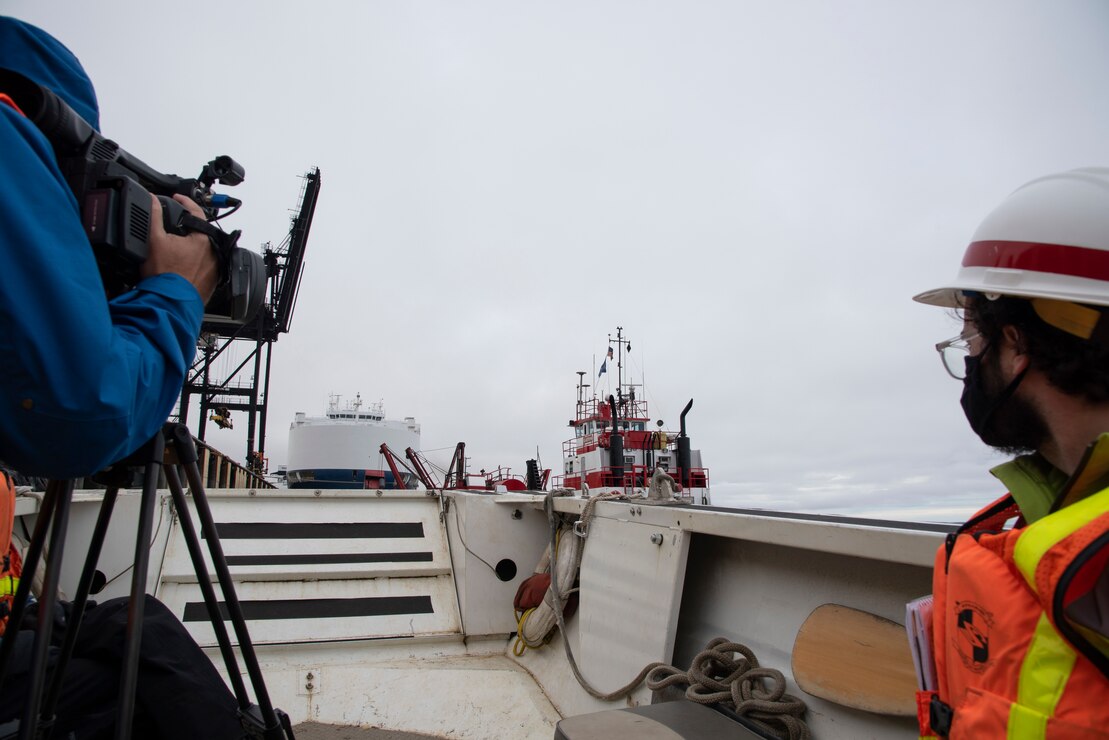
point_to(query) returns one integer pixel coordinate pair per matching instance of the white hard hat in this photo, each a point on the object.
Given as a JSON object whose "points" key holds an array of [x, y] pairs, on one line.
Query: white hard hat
{"points": [[1048, 240]]}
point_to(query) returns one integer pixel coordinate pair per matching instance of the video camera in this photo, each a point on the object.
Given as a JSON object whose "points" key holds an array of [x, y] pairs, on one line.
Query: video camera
{"points": [[113, 189]]}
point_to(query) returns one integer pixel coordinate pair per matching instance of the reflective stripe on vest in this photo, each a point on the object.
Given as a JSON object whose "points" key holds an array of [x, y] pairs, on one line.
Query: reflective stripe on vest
{"points": [[1044, 673], [8, 585], [1040, 537], [1050, 659]]}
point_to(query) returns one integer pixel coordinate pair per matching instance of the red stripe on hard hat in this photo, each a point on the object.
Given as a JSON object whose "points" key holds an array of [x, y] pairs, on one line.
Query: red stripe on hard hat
{"points": [[1054, 258]]}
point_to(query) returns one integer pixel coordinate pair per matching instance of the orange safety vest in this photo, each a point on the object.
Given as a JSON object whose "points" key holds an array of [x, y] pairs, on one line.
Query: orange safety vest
{"points": [[11, 566], [1011, 659]]}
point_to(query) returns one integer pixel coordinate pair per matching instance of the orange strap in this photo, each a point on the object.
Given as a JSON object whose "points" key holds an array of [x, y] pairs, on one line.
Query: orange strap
{"points": [[6, 99], [11, 565], [7, 512], [924, 713]]}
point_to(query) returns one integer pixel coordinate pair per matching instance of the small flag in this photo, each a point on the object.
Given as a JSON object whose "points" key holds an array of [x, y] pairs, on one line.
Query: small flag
{"points": [[604, 366], [610, 353]]}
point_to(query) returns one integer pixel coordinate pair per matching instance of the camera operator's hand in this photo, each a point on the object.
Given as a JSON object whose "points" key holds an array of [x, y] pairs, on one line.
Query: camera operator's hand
{"points": [[190, 256]]}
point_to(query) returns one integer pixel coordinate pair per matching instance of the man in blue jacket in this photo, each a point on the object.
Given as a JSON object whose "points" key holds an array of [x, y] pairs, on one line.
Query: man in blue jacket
{"points": [[84, 381]]}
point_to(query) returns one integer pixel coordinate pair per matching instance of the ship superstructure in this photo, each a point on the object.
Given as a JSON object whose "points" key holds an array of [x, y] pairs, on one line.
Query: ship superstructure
{"points": [[342, 449], [617, 447]]}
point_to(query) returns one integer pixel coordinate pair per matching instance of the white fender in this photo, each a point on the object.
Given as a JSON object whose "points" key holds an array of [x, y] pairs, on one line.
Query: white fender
{"points": [[536, 625]]}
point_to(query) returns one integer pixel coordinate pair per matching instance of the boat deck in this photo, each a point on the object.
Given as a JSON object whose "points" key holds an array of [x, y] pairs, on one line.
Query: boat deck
{"points": [[315, 731], [391, 616], [393, 690]]}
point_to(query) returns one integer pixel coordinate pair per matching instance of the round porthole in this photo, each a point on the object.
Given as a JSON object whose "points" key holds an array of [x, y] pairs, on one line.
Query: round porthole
{"points": [[506, 570]]}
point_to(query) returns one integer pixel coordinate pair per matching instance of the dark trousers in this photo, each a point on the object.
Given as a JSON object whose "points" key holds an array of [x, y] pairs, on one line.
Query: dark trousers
{"points": [[179, 696]]}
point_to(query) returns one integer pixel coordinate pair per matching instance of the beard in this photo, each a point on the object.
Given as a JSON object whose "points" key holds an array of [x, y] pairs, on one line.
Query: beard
{"points": [[1011, 424]]}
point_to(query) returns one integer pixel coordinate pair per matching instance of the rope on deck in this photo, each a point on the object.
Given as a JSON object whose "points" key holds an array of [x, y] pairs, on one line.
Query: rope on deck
{"points": [[715, 674]]}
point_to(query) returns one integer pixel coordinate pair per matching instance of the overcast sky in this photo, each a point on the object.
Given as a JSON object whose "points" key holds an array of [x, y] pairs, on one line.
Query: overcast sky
{"points": [[754, 191]]}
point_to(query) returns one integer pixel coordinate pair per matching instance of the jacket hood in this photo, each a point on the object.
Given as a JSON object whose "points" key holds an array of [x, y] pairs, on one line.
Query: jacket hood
{"points": [[37, 55]]}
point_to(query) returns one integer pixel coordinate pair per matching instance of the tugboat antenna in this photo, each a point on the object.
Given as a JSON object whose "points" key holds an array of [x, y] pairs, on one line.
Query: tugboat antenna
{"points": [[581, 390], [619, 362]]}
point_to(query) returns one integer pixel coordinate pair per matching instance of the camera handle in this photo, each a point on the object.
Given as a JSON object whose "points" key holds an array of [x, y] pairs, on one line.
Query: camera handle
{"points": [[260, 721], [177, 220]]}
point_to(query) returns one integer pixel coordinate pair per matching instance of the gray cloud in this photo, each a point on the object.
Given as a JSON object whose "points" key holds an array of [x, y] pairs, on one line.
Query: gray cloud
{"points": [[753, 191]]}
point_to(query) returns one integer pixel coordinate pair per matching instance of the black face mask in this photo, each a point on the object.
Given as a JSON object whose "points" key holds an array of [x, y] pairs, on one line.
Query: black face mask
{"points": [[1017, 431]]}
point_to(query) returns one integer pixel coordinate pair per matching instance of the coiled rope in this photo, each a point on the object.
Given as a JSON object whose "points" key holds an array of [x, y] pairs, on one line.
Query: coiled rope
{"points": [[715, 675], [719, 675]]}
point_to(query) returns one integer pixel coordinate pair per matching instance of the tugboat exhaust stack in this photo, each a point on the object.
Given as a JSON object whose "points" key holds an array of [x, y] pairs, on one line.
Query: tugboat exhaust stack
{"points": [[615, 447], [685, 458]]}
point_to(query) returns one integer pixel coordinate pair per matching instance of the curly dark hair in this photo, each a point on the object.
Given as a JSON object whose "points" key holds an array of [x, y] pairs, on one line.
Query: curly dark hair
{"points": [[1078, 367]]}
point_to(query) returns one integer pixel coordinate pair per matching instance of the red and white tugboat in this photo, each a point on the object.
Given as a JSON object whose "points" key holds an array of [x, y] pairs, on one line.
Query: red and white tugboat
{"points": [[615, 448]]}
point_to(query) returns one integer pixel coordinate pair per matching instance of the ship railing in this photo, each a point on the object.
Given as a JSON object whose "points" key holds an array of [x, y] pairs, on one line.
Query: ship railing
{"points": [[640, 476], [598, 408], [580, 445], [633, 440], [220, 471], [698, 477], [490, 481], [614, 477], [635, 476], [583, 444], [630, 409]]}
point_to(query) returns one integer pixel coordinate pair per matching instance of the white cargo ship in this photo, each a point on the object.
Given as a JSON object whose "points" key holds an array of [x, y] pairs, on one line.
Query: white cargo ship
{"points": [[342, 448]]}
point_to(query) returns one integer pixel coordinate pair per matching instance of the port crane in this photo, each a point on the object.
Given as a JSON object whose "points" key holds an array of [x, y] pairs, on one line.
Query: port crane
{"points": [[223, 392], [456, 477]]}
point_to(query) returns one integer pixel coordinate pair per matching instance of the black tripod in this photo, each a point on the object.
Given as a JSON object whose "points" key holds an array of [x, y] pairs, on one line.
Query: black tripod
{"points": [[168, 449]]}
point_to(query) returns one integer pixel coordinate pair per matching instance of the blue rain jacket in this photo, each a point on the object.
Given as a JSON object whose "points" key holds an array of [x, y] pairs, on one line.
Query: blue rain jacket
{"points": [[83, 381]]}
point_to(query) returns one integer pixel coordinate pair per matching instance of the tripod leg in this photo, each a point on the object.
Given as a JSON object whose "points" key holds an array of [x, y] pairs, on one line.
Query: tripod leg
{"points": [[273, 728], [80, 599], [154, 453], [184, 518], [30, 564], [40, 652], [187, 454]]}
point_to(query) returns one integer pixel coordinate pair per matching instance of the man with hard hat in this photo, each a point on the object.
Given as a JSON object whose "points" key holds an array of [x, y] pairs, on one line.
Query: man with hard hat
{"points": [[1021, 591]]}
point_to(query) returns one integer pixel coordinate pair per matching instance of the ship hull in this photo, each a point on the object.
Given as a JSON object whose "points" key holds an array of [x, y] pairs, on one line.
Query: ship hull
{"points": [[326, 452], [681, 575]]}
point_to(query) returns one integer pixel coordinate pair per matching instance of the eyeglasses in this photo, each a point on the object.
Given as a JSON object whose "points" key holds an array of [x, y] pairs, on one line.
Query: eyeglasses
{"points": [[954, 353]]}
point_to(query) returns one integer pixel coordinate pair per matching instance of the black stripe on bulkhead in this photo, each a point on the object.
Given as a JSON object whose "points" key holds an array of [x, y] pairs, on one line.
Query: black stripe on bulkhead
{"points": [[317, 530], [336, 558], [374, 606]]}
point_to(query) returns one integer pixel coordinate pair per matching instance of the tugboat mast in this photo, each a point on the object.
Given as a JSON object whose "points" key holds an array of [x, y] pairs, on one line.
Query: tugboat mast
{"points": [[625, 392], [581, 395], [619, 362]]}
